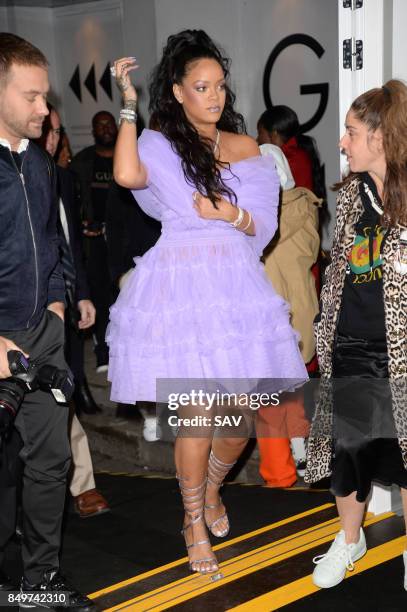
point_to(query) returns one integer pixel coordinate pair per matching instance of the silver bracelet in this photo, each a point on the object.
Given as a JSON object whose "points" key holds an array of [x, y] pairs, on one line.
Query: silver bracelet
{"points": [[128, 115], [130, 105], [243, 229], [239, 218]]}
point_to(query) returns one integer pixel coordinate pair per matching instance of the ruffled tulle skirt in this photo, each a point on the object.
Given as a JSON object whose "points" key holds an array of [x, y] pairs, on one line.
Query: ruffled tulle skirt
{"points": [[200, 309]]}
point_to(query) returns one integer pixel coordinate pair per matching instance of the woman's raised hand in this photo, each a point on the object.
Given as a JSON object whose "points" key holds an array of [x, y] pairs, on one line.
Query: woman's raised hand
{"points": [[120, 70]]}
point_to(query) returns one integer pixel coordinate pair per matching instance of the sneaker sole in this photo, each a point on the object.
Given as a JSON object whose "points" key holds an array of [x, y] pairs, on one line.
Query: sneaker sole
{"points": [[333, 584]]}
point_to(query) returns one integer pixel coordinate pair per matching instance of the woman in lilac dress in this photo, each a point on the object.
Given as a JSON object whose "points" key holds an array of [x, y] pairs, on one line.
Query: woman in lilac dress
{"points": [[198, 304]]}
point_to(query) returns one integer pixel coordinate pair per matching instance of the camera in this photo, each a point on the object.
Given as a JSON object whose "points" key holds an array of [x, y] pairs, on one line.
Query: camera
{"points": [[27, 377]]}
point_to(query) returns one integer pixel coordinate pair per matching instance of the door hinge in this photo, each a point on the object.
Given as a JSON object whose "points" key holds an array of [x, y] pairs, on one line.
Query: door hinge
{"points": [[352, 54], [353, 4]]}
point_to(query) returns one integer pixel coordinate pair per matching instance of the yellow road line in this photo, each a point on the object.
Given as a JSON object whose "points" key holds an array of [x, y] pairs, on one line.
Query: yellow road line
{"points": [[192, 586], [246, 536], [278, 598]]}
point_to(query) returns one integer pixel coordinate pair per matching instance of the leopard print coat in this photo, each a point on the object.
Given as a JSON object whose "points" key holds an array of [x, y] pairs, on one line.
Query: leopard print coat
{"points": [[349, 209]]}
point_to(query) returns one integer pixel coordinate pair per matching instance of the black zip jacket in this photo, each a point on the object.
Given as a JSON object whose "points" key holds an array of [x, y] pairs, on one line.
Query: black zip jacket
{"points": [[30, 271]]}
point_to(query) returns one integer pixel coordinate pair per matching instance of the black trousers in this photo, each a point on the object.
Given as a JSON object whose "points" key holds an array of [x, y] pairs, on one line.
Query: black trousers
{"points": [[74, 350], [43, 427], [101, 292]]}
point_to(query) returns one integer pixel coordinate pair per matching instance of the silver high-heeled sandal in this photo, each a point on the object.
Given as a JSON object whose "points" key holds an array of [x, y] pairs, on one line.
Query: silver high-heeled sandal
{"points": [[217, 472], [193, 500], [405, 569]]}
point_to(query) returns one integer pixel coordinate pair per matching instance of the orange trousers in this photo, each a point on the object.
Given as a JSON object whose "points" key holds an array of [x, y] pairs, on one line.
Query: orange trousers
{"points": [[275, 426]]}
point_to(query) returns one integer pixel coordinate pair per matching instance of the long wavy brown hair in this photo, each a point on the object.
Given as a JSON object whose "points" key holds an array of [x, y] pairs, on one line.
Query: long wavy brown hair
{"points": [[386, 108]]}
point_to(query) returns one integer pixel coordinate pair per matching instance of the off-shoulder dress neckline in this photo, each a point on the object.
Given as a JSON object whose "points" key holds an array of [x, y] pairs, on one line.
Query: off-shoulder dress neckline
{"points": [[231, 164]]}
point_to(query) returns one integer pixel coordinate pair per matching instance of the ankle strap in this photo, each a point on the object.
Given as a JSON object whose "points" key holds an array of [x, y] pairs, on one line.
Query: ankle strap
{"points": [[217, 470], [192, 498]]}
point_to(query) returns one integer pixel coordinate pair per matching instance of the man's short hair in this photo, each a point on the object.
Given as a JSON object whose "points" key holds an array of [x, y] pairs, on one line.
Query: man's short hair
{"points": [[96, 117], [16, 50]]}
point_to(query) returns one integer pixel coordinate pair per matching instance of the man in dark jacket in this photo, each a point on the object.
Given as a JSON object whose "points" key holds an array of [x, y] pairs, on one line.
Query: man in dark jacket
{"points": [[93, 171], [32, 315]]}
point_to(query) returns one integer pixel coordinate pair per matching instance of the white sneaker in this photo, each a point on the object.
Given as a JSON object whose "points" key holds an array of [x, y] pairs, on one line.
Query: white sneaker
{"points": [[405, 569], [299, 453], [331, 567], [300, 467]]}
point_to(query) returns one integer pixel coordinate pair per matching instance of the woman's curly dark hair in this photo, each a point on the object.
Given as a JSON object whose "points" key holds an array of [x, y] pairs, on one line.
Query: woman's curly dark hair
{"points": [[197, 156]]}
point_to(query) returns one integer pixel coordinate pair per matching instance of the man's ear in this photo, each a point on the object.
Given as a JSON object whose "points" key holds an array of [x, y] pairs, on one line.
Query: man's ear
{"points": [[177, 93]]}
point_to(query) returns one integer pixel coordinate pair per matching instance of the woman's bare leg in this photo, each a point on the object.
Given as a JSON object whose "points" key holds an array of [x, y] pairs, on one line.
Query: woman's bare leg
{"points": [[227, 446], [226, 452], [191, 461], [351, 513]]}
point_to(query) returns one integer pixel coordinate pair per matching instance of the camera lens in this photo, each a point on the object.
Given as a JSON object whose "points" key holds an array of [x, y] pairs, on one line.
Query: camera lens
{"points": [[11, 396]]}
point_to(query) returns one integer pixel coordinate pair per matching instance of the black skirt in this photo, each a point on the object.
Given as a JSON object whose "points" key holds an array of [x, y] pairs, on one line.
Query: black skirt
{"points": [[365, 446]]}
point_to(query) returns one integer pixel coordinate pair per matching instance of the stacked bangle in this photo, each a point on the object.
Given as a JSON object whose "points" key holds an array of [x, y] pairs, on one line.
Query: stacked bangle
{"points": [[238, 221], [128, 115], [239, 218]]}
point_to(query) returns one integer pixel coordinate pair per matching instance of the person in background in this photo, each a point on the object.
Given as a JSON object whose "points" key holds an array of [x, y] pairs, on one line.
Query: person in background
{"points": [[63, 155], [80, 315], [280, 126], [288, 259], [93, 171]]}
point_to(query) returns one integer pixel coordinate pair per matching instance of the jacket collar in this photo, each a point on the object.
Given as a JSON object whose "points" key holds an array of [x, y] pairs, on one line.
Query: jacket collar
{"points": [[24, 142]]}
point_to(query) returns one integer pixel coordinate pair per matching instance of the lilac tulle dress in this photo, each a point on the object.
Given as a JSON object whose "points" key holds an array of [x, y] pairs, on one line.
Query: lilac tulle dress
{"points": [[198, 305]]}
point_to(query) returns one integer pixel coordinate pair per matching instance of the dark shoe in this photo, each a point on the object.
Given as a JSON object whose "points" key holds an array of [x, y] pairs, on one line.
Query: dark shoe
{"points": [[102, 359], [6, 584], [90, 504], [83, 399], [128, 412], [54, 581]]}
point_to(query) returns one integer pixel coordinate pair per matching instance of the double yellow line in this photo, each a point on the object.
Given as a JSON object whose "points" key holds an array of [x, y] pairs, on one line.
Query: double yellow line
{"points": [[242, 565], [183, 560], [278, 598]]}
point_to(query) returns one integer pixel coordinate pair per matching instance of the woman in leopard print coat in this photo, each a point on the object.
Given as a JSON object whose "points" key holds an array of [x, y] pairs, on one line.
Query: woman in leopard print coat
{"points": [[362, 328]]}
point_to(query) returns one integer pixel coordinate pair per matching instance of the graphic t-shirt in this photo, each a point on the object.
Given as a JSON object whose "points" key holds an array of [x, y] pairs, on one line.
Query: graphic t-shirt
{"points": [[362, 310], [102, 177]]}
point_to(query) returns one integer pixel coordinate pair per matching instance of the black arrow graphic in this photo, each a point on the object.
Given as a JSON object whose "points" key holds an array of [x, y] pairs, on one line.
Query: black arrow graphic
{"points": [[90, 82], [75, 83], [106, 81]]}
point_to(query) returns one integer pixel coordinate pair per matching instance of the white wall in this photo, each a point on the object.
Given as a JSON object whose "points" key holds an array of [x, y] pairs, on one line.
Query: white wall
{"points": [[88, 35], [96, 34], [36, 25], [399, 63], [4, 22], [139, 31]]}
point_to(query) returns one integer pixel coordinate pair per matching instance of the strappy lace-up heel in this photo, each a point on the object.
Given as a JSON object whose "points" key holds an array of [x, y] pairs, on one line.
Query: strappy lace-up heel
{"points": [[217, 472], [193, 500]]}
